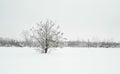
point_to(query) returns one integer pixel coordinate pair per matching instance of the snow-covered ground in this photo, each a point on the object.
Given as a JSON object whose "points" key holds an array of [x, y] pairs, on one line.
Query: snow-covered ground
{"points": [[60, 61]]}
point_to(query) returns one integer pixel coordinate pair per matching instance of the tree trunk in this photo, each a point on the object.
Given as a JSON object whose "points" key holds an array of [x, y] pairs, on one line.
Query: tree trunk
{"points": [[46, 49]]}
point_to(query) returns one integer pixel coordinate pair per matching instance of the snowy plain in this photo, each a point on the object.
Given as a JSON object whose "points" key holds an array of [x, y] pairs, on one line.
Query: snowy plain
{"points": [[60, 61]]}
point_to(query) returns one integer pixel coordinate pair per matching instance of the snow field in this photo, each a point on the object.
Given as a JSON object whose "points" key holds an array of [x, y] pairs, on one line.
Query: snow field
{"points": [[60, 61]]}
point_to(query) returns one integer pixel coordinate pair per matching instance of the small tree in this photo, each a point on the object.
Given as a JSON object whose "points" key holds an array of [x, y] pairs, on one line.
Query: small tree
{"points": [[47, 35], [27, 38]]}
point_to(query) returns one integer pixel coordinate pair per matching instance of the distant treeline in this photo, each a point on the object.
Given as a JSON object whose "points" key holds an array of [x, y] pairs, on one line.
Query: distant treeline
{"points": [[102, 44], [5, 42]]}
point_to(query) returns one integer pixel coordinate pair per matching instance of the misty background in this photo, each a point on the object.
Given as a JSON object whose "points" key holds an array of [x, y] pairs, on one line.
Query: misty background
{"points": [[78, 19]]}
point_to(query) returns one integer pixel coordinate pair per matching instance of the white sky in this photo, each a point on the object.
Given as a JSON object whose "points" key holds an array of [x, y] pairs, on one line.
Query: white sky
{"points": [[78, 19]]}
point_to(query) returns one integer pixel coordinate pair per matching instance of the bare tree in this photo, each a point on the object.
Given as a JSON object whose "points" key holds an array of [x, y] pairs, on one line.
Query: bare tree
{"points": [[47, 34]]}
